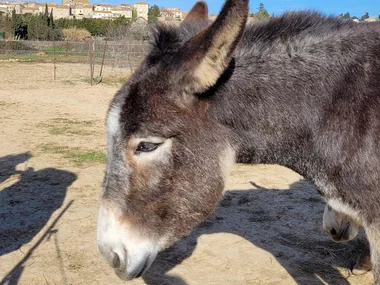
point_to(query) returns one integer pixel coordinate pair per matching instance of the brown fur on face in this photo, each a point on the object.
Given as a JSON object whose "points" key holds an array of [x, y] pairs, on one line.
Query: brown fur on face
{"points": [[177, 200]]}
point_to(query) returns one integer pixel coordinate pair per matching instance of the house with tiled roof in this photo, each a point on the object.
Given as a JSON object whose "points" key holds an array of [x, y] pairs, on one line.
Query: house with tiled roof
{"points": [[30, 10], [141, 9]]}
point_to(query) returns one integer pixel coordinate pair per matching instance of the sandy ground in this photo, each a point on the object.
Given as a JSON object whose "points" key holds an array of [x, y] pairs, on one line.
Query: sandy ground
{"points": [[52, 134]]}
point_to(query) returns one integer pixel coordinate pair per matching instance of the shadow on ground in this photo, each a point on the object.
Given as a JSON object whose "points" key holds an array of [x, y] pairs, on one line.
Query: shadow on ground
{"points": [[274, 220], [27, 204]]}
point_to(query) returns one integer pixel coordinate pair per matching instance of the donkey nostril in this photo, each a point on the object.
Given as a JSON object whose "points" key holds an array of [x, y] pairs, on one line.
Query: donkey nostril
{"points": [[115, 262], [333, 232]]}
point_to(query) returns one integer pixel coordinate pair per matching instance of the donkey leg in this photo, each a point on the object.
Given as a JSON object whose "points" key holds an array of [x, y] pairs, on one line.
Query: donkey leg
{"points": [[363, 264], [373, 235]]}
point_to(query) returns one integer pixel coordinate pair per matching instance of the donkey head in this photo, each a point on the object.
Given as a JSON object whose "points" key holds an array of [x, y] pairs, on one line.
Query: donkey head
{"points": [[167, 160]]}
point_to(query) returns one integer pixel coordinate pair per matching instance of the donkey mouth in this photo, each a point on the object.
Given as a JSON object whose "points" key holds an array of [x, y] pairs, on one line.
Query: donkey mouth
{"points": [[144, 269], [123, 273]]}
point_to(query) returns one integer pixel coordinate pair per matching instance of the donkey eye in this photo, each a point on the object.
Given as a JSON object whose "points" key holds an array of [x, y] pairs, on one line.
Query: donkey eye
{"points": [[147, 146]]}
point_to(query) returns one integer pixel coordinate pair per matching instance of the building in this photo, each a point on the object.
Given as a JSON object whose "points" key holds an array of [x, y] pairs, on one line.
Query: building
{"points": [[61, 12], [121, 11], [81, 11], [102, 15], [30, 4], [8, 7], [172, 14], [3, 9], [371, 19], [42, 7], [212, 17], [103, 7], [30, 10], [75, 2], [142, 10], [128, 6]]}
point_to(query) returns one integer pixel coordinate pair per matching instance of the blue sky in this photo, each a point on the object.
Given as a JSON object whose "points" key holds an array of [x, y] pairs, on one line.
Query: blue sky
{"points": [[335, 7]]}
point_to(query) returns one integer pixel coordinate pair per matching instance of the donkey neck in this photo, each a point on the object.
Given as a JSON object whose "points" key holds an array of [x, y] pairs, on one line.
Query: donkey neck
{"points": [[272, 119]]}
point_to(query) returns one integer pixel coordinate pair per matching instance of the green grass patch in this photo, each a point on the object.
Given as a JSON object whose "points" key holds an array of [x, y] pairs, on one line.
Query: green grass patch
{"points": [[46, 57], [51, 50], [115, 80], [88, 123], [63, 126], [81, 157], [109, 80], [67, 131], [78, 156]]}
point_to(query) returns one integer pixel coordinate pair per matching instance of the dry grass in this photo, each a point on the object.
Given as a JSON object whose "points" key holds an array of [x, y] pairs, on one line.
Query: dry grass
{"points": [[75, 34], [63, 126]]}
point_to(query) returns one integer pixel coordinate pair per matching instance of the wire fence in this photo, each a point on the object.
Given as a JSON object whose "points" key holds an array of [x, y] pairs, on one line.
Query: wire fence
{"points": [[111, 53]]}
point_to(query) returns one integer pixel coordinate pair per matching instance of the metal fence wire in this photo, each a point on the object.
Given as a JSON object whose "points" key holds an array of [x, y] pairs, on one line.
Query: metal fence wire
{"points": [[115, 53]]}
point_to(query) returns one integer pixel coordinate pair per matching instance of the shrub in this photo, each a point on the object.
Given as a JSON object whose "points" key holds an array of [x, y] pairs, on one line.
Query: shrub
{"points": [[14, 45], [75, 34]]}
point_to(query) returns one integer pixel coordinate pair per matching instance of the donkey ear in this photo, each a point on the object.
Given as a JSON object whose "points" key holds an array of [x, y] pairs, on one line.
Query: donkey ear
{"points": [[206, 56], [197, 13]]}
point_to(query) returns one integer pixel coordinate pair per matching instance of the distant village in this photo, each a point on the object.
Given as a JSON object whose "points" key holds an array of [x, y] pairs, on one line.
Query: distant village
{"points": [[80, 9]]}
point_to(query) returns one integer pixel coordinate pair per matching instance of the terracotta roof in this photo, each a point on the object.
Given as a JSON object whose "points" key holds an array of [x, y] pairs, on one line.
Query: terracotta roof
{"points": [[141, 3], [104, 5], [122, 9]]}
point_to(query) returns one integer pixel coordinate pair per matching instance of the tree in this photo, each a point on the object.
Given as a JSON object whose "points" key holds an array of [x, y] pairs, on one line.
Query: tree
{"points": [[347, 16], [51, 20], [262, 8], [153, 13], [19, 26], [46, 14], [365, 16], [134, 14], [261, 14]]}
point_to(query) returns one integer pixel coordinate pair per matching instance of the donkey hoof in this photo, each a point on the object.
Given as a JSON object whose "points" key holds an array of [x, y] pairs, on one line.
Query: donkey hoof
{"points": [[362, 266], [360, 271]]}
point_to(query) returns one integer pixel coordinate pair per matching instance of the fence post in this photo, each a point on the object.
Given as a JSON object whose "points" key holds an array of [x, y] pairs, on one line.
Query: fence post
{"points": [[104, 55], [67, 48], [90, 60], [54, 58]]}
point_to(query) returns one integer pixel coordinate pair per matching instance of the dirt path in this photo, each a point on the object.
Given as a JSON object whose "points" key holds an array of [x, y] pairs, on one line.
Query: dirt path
{"points": [[51, 169]]}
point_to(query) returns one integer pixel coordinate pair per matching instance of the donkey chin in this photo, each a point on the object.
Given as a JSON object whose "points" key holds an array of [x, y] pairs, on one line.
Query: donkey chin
{"points": [[126, 250]]}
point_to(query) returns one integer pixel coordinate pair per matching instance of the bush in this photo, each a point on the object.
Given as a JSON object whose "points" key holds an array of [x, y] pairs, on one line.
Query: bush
{"points": [[14, 45], [75, 34]]}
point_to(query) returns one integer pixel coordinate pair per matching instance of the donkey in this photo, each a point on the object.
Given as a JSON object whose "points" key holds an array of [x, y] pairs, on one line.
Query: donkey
{"points": [[301, 90], [341, 227]]}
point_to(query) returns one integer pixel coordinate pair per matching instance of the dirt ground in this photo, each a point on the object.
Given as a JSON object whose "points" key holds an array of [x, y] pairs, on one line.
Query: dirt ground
{"points": [[51, 169]]}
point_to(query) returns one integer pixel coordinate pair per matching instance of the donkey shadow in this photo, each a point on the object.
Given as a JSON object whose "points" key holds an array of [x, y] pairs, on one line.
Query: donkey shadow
{"points": [[287, 223], [27, 205]]}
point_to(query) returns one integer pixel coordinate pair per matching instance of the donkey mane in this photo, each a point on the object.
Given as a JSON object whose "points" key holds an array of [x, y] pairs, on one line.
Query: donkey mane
{"points": [[290, 26]]}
